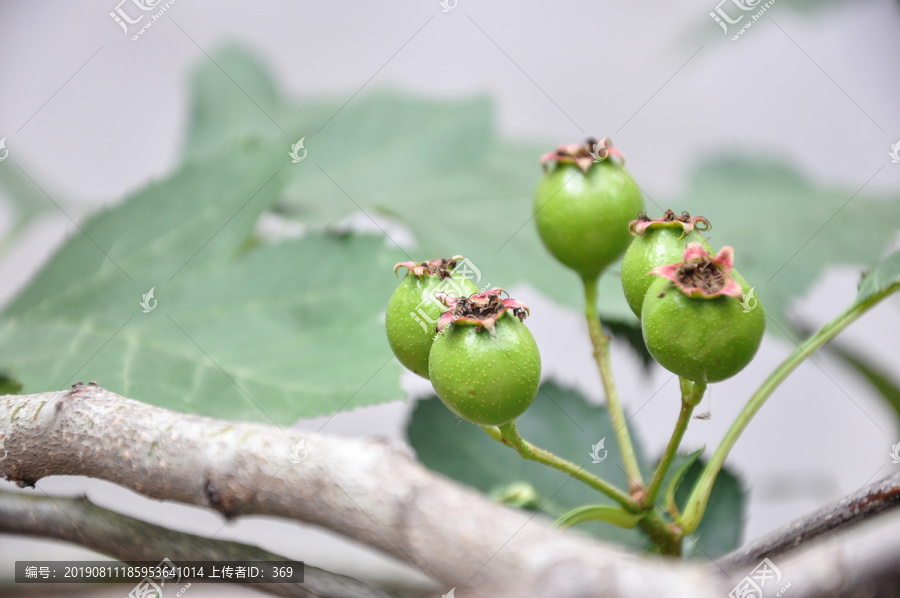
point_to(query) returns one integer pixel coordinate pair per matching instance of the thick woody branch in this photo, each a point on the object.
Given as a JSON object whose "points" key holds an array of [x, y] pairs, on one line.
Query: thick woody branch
{"points": [[126, 539], [377, 494], [863, 562], [866, 502], [368, 490]]}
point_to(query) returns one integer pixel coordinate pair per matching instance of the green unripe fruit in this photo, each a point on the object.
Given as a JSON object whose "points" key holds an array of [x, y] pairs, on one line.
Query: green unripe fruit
{"points": [[485, 365], [656, 243], [413, 310], [582, 208], [700, 323]]}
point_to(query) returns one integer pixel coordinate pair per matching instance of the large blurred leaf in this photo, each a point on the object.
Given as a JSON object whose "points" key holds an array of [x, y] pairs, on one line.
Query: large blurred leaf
{"points": [[722, 527], [436, 166], [439, 167], [787, 230], [879, 379], [559, 420], [281, 332], [25, 200]]}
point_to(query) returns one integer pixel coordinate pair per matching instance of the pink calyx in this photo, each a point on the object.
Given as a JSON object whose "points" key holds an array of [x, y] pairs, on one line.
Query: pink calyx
{"points": [[669, 220], [481, 309], [699, 275], [440, 267], [590, 152]]}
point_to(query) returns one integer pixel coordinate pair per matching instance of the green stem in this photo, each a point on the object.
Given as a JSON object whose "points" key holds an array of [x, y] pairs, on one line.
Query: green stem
{"points": [[664, 536], [616, 414], [691, 395], [697, 502], [509, 435], [606, 513]]}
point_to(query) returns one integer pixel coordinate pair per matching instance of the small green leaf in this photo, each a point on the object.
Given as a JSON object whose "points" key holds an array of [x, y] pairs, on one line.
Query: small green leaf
{"points": [[605, 513], [559, 420], [882, 280], [721, 529], [677, 471], [9, 386]]}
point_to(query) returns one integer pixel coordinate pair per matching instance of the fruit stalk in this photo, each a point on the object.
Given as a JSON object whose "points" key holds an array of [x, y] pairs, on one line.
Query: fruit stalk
{"points": [[601, 355], [699, 497], [509, 435], [691, 394]]}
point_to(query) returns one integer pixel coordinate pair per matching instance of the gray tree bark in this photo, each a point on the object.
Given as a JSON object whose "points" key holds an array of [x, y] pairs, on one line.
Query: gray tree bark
{"points": [[368, 490]]}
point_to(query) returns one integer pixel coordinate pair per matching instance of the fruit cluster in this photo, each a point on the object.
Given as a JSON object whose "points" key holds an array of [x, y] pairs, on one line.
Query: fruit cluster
{"points": [[481, 359], [483, 362]]}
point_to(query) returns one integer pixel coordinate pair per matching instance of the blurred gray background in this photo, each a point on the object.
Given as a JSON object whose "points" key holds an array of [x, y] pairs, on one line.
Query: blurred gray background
{"points": [[97, 115]]}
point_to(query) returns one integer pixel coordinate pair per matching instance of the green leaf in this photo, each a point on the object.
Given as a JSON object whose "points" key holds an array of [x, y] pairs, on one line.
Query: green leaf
{"points": [[605, 513], [721, 529], [809, 6], [233, 96], [26, 201], [677, 471], [786, 229], [881, 281], [631, 334], [262, 332], [879, 379], [9, 386], [560, 421], [436, 166], [439, 167]]}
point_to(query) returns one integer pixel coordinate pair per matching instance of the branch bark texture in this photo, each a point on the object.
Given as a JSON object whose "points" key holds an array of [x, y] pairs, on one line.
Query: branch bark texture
{"points": [[368, 490], [870, 500], [124, 538], [377, 494]]}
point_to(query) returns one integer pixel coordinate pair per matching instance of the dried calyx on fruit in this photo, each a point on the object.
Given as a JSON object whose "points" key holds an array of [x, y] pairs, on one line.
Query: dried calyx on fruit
{"points": [[657, 241], [441, 268], [414, 309], [583, 205], [585, 154], [694, 321], [683, 223], [484, 364], [480, 309]]}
